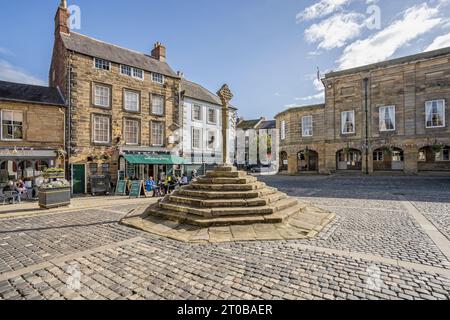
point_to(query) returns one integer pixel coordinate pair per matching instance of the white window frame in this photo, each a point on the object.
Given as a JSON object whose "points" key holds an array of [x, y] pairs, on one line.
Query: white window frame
{"points": [[122, 66], [199, 138], [1, 124], [108, 131], [153, 135], [439, 157], [154, 74], [215, 116], [381, 113], [305, 135], [343, 122], [283, 130], [125, 121], [214, 132], [133, 70], [103, 60], [95, 95], [201, 112], [428, 104], [125, 91], [152, 95]]}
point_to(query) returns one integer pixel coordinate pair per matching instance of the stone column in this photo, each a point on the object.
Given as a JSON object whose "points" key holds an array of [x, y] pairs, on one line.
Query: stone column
{"points": [[411, 159], [225, 96]]}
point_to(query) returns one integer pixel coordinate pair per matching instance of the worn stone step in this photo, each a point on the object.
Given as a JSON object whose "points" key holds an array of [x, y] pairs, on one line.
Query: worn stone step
{"points": [[274, 197], [185, 208], [199, 202], [226, 168], [282, 215], [226, 174], [203, 194], [284, 204], [205, 221], [245, 180], [226, 187]]}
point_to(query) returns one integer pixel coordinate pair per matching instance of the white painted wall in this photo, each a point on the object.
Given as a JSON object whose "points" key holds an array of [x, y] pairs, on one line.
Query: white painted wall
{"points": [[213, 155]]}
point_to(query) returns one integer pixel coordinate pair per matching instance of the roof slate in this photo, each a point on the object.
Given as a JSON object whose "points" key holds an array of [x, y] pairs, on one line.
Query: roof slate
{"points": [[96, 48], [19, 92], [195, 91], [271, 124]]}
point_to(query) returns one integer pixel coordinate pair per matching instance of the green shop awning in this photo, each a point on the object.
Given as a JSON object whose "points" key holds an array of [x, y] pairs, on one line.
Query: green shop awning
{"points": [[156, 159]]}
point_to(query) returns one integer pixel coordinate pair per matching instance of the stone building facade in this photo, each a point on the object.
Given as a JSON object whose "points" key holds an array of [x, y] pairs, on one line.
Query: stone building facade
{"points": [[31, 131], [389, 116], [120, 102]]}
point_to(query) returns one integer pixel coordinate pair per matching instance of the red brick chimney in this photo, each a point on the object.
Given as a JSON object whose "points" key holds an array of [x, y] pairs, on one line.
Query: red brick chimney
{"points": [[159, 52], [62, 19]]}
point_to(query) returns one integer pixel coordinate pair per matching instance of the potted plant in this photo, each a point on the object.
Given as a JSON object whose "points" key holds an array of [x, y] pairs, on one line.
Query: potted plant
{"points": [[54, 194], [387, 150], [437, 147]]}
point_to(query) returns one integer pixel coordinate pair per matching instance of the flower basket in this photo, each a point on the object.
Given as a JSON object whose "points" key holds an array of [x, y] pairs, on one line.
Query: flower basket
{"points": [[54, 194]]}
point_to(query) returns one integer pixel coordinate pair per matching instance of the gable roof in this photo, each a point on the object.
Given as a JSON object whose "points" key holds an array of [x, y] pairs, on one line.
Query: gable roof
{"points": [[96, 48], [18, 92], [271, 124], [300, 108], [388, 63], [195, 91], [249, 124]]}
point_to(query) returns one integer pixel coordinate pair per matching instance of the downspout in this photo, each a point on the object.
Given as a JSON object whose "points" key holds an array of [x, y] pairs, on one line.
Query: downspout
{"points": [[366, 102], [69, 122]]}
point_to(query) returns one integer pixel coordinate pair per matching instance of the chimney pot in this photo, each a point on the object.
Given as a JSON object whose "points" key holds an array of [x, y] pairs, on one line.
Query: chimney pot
{"points": [[159, 52]]}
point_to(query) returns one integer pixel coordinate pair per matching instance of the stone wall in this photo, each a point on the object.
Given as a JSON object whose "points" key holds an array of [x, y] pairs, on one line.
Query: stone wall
{"points": [[43, 125], [406, 86]]}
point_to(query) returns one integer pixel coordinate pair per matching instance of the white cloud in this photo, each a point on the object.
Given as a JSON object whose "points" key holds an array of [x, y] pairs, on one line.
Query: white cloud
{"points": [[415, 22], [336, 31], [11, 73], [439, 42], [322, 9], [318, 96], [5, 51]]}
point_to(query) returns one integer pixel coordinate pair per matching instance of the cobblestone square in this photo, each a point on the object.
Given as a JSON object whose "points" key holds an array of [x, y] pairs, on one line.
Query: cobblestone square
{"points": [[390, 240]]}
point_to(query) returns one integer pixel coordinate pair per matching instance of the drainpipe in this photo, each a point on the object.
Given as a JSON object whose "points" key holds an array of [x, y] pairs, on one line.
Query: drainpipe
{"points": [[366, 101]]}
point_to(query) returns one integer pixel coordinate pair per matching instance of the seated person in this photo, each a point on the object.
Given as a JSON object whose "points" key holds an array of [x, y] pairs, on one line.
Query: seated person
{"points": [[11, 187], [184, 180]]}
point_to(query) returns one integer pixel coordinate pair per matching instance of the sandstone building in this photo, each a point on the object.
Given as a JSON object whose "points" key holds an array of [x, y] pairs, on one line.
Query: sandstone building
{"points": [[121, 104], [388, 116], [31, 131]]}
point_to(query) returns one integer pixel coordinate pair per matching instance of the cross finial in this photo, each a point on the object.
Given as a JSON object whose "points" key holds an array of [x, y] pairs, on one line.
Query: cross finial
{"points": [[225, 94], [63, 4]]}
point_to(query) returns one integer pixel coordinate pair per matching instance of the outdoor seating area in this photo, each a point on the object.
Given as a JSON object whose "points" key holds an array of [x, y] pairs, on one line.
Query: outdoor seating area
{"points": [[15, 192]]}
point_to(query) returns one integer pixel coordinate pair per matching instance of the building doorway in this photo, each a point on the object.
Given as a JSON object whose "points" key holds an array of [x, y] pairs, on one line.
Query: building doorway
{"points": [[386, 159], [79, 178], [308, 161], [283, 161], [349, 159]]}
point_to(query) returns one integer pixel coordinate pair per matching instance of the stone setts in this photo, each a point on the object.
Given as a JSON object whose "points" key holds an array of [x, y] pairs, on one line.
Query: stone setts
{"points": [[228, 205]]}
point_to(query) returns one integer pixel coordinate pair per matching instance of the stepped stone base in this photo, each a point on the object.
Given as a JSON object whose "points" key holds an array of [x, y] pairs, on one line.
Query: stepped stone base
{"points": [[227, 205]]}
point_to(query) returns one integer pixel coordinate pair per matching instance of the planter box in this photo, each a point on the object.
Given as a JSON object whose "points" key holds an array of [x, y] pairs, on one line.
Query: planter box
{"points": [[54, 198]]}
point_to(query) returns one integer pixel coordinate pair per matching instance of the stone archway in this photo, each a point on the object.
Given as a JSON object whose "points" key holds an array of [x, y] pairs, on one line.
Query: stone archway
{"points": [[349, 159], [388, 159], [434, 159], [307, 161], [283, 161]]}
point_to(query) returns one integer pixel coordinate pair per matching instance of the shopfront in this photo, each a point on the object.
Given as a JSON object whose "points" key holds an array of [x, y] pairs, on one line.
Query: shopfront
{"points": [[144, 166], [25, 164]]}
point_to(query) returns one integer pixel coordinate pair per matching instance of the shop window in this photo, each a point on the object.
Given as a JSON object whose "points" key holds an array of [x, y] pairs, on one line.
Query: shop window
{"points": [[378, 156]]}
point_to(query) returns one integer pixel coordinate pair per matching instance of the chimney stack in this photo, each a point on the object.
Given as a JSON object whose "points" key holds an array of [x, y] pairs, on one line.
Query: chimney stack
{"points": [[62, 19], [159, 52]]}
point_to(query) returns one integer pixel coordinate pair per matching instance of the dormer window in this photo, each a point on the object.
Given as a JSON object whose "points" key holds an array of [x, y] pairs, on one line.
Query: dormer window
{"points": [[158, 78], [102, 64]]}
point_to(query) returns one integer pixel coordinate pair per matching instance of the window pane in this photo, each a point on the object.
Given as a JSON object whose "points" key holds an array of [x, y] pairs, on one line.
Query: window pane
{"points": [[212, 116], [131, 101], [137, 73], [101, 129], [307, 126], [101, 96], [126, 70], [196, 138], [159, 78], [157, 104], [131, 131], [157, 133], [197, 113], [435, 114], [211, 139]]}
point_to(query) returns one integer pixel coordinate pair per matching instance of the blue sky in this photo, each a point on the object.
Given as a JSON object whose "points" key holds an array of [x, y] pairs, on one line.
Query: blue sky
{"points": [[267, 51]]}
